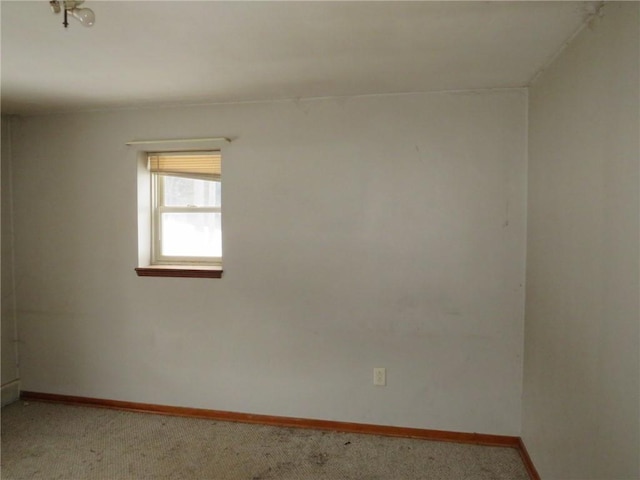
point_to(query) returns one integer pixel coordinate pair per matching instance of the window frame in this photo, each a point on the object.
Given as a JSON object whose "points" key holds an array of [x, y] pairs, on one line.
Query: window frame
{"points": [[158, 207]]}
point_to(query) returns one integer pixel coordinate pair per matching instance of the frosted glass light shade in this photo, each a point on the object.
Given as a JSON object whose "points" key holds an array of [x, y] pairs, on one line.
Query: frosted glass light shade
{"points": [[84, 15]]}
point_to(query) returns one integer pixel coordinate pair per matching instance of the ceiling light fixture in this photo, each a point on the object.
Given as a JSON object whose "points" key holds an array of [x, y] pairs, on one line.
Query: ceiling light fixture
{"points": [[84, 15]]}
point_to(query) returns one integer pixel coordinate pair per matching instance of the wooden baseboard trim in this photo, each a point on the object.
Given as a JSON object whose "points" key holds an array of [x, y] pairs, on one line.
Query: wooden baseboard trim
{"points": [[347, 427], [439, 435], [526, 459]]}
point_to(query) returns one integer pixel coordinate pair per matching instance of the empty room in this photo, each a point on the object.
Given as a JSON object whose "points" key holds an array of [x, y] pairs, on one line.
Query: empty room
{"points": [[324, 240]]}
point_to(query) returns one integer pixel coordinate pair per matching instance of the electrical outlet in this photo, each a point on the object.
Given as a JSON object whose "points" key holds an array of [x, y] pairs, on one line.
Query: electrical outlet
{"points": [[380, 376]]}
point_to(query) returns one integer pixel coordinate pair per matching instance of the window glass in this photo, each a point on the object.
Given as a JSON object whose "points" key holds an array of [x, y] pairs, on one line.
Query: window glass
{"points": [[186, 234], [182, 192]]}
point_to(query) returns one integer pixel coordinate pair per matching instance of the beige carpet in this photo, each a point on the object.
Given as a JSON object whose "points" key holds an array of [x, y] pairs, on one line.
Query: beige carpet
{"points": [[49, 441]]}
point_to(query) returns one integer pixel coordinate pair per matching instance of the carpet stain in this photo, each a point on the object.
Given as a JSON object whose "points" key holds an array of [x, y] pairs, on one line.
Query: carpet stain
{"points": [[319, 458]]}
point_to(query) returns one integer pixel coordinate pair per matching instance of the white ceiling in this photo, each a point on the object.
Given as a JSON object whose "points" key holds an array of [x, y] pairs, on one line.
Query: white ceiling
{"points": [[178, 52]]}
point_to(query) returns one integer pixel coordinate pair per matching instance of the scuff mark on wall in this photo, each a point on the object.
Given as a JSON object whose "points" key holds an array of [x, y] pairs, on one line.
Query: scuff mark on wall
{"points": [[506, 216]]}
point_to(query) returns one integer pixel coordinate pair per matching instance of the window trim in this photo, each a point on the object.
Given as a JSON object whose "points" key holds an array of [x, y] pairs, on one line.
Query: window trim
{"points": [[138, 153]]}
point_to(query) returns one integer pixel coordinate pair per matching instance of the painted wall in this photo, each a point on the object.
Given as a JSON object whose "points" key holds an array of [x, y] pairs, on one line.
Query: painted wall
{"points": [[9, 369], [581, 405], [381, 231]]}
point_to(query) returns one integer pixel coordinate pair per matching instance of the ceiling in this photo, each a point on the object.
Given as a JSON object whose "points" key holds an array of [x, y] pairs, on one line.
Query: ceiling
{"points": [[147, 53]]}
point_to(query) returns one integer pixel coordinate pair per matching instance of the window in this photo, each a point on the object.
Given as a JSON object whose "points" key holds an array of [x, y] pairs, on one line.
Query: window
{"points": [[186, 214]]}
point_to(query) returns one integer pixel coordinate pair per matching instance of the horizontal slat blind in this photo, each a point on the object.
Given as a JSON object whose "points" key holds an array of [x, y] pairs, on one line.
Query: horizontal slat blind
{"points": [[200, 164]]}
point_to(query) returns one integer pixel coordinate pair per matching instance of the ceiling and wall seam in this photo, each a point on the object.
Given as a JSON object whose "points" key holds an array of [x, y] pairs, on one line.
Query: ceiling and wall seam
{"points": [[468, 91], [595, 11]]}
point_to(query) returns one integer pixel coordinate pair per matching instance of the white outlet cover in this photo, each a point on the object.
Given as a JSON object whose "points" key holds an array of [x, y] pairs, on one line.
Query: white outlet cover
{"points": [[380, 376]]}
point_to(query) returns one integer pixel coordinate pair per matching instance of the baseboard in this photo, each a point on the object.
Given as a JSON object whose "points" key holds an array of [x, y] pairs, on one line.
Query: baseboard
{"points": [[347, 427], [10, 392], [526, 459]]}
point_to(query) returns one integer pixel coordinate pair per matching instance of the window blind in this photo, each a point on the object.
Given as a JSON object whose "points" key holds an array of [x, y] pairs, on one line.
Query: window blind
{"points": [[206, 165]]}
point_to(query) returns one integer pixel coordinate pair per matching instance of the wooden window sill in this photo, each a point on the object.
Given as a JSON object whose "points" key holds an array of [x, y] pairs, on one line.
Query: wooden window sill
{"points": [[181, 271]]}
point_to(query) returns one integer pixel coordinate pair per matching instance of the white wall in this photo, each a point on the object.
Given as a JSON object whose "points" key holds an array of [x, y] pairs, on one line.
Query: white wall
{"points": [[358, 232], [581, 403], [9, 369]]}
